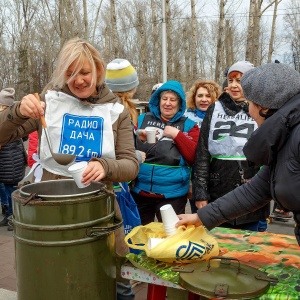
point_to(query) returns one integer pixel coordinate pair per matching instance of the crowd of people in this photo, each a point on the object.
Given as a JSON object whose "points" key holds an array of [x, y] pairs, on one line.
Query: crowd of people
{"points": [[230, 151]]}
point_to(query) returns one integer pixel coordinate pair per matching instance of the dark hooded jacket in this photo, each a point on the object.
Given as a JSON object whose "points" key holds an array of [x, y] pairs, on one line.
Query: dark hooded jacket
{"points": [[13, 161], [278, 141]]}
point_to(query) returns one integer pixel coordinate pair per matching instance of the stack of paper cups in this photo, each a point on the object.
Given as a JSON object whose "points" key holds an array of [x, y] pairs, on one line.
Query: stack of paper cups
{"points": [[169, 219]]}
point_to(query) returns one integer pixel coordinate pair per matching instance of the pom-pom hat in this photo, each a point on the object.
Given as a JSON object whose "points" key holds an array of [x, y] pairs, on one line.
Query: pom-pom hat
{"points": [[121, 76]]}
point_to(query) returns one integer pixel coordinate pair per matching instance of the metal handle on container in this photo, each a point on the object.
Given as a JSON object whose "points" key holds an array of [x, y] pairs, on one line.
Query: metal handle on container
{"points": [[224, 260], [104, 231], [32, 197]]}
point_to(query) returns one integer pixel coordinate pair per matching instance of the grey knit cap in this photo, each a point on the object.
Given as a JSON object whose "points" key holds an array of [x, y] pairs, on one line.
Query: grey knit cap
{"points": [[7, 96], [271, 85], [121, 76], [240, 66]]}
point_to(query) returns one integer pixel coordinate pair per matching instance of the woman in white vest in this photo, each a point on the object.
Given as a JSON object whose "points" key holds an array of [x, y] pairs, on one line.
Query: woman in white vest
{"points": [[220, 163], [84, 118]]}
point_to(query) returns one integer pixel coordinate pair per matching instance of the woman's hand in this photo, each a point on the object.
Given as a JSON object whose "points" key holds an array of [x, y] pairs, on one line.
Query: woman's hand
{"points": [[142, 134], [170, 132], [143, 155], [31, 107], [200, 204], [188, 219], [93, 172]]}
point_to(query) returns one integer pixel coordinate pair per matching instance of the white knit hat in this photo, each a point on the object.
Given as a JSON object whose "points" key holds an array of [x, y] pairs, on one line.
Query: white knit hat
{"points": [[7, 96], [121, 76], [240, 66], [156, 86]]}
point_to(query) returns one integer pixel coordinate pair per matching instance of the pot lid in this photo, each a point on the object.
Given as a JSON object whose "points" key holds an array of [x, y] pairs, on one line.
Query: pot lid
{"points": [[225, 278], [60, 189]]}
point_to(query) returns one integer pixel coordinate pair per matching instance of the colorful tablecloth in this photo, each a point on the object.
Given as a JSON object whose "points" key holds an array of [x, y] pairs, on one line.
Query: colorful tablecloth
{"points": [[276, 254]]}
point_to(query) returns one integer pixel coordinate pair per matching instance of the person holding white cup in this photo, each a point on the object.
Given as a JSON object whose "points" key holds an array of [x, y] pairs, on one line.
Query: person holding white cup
{"points": [[84, 118], [77, 170], [165, 174], [151, 135]]}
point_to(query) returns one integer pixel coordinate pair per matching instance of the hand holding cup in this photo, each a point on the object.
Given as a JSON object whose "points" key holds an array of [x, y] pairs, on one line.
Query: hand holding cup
{"points": [[151, 135], [76, 170]]}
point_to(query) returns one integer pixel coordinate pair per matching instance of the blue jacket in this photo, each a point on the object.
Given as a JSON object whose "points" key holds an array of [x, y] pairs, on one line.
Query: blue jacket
{"points": [[164, 171]]}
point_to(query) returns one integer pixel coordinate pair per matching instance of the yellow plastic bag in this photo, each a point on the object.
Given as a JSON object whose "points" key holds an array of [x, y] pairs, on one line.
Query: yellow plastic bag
{"points": [[189, 244]]}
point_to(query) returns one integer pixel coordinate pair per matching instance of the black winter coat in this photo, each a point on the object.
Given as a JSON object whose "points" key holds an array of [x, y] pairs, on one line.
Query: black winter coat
{"points": [[275, 144], [213, 178], [13, 162]]}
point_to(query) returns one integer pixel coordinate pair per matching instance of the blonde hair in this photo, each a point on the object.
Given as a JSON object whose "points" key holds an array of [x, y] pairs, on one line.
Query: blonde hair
{"points": [[126, 98], [82, 51], [212, 87]]}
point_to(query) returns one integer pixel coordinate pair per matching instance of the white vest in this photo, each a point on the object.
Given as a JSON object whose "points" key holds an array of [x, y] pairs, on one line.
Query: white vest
{"points": [[191, 115], [74, 128], [228, 134]]}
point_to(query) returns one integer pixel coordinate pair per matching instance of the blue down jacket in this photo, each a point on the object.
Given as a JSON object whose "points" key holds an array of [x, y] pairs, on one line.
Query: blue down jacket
{"points": [[164, 171]]}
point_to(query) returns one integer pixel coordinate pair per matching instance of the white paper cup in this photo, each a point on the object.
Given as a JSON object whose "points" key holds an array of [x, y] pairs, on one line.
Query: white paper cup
{"points": [[168, 215], [151, 135], [76, 170], [169, 219], [171, 228], [153, 242], [171, 231]]}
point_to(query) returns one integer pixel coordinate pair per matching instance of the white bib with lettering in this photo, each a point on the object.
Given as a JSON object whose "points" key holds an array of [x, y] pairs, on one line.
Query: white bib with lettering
{"points": [[81, 130], [228, 134]]}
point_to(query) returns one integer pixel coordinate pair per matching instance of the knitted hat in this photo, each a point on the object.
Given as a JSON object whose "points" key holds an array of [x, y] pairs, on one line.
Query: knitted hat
{"points": [[240, 66], [156, 86], [271, 85], [7, 96], [121, 76]]}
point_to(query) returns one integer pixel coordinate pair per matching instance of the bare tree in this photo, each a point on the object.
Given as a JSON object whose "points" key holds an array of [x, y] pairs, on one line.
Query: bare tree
{"points": [[33, 31], [25, 16], [157, 52], [193, 45], [220, 41], [228, 45], [96, 21], [255, 14], [114, 28], [169, 38], [271, 44], [186, 52], [292, 31], [142, 41]]}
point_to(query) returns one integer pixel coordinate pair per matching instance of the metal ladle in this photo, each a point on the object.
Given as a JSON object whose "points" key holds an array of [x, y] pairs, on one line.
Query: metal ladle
{"points": [[62, 159]]}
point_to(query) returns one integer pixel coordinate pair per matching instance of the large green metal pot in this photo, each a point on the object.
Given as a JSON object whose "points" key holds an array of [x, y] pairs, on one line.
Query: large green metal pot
{"points": [[64, 241]]}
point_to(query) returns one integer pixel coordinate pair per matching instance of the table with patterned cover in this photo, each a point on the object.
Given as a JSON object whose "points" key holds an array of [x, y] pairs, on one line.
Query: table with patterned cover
{"points": [[276, 254]]}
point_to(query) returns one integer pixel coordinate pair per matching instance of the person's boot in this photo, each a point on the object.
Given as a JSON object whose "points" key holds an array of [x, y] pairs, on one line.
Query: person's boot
{"points": [[4, 209], [4, 222]]}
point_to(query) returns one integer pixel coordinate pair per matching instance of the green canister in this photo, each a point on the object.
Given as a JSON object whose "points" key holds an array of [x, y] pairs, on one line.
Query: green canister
{"points": [[64, 241]]}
